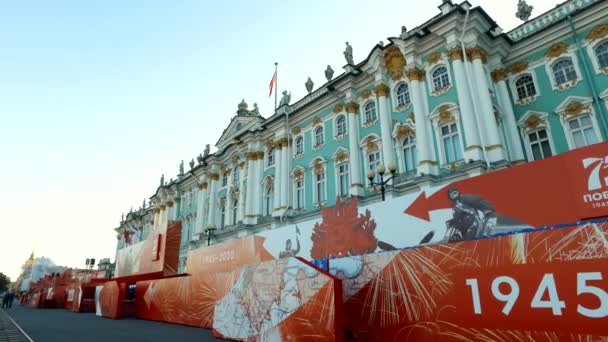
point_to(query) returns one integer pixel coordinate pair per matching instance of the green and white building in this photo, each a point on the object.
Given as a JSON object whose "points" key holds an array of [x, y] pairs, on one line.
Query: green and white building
{"points": [[452, 98]]}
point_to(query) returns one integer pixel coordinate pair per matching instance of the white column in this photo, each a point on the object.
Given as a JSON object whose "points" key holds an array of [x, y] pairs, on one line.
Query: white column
{"points": [[250, 195], [356, 184], [200, 199], [278, 160], [240, 213], [473, 149], [494, 148], [386, 123], [424, 141], [515, 148], [285, 173], [212, 214]]}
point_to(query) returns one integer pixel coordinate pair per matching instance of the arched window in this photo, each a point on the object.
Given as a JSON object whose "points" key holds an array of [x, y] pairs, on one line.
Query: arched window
{"points": [[299, 186], [235, 211], [320, 186], [539, 144], [343, 179], [601, 52], [319, 138], [525, 87], [581, 130], [268, 195], [440, 78], [299, 145], [235, 174], [340, 125], [403, 95], [563, 71], [373, 161], [410, 159], [270, 157], [370, 112]]}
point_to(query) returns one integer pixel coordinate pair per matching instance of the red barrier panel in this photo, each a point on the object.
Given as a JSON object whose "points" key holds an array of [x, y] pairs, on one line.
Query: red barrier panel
{"points": [[543, 285]]}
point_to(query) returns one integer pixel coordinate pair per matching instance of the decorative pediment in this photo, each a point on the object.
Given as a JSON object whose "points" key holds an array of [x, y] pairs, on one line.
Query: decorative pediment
{"points": [[237, 126], [403, 130], [434, 58], [532, 120], [518, 67], [340, 155], [444, 113], [370, 142], [556, 50], [394, 61], [574, 106], [318, 164], [298, 173], [598, 32]]}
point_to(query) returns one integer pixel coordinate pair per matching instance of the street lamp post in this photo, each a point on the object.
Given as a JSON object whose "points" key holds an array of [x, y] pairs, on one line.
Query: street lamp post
{"points": [[371, 174], [209, 232]]}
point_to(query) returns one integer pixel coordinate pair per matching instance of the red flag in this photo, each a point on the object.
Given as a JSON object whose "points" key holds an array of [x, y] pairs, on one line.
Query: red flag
{"points": [[272, 82]]}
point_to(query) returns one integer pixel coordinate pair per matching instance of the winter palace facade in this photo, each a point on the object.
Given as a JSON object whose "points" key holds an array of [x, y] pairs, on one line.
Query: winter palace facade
{"points": [[453, 98]]}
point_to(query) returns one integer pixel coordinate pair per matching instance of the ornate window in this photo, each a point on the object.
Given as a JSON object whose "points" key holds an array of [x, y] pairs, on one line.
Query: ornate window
{"points": [[410, 160], [235, 174], [373, 161], [563, 71], [343, 179], [319, 136], [581, 131], [525, 87], [299, 185], [268, 195], [403, 95], [450, 139], [222, 213], [370, 112], [340, 125], [235, 211], [539, 144], [224, 180], [299, 145], [270, 157], [440, 77], [320, 187], [601, 53]]}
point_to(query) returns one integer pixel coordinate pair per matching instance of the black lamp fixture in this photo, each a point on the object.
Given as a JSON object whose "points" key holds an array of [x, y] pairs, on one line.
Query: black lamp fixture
{"points": [[381, 170], [210, 231]]}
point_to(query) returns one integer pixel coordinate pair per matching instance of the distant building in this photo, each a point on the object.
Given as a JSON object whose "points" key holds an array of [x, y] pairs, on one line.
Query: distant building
{"points": [[437, 103], [106, 268]]}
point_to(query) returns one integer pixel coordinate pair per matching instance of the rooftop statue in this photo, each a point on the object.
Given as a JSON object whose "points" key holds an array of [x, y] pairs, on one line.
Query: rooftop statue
{"points": [[206, 152], [381, 43], [200, 158], [285, 99], [309, 84], [348, 54], [162, 179], [329, 73], [192, 164], [524, 11], [144, 204], [181, 168], [403, 34], [122, 217], [255, 109]]}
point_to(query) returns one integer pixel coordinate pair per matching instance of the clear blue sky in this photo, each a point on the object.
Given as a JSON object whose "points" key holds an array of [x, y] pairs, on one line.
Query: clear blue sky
{"points": [[98, 98]]}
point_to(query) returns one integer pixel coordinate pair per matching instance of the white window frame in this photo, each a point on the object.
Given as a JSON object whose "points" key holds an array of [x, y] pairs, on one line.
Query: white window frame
{"points": [[513, 78], [396, 106], [337, 135], [435, 118], [458, 132], [267, 158], [402, 148], [365, 153], [316, 145], [550, 62], [589, 111], [524, 132], [267, 205], [338, 175], [296, 154], [591, 46], [224, 179], [222, 213], [315, 186], [295, 191], [431, 83], [364, 121]]}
